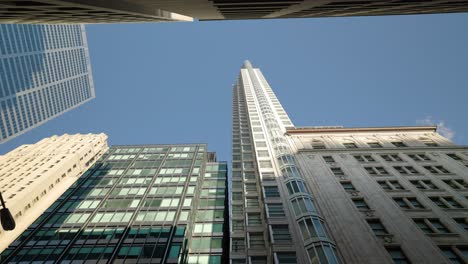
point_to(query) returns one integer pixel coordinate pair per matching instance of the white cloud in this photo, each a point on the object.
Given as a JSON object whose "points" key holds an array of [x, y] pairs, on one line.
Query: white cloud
{"points": [[441, 128]]}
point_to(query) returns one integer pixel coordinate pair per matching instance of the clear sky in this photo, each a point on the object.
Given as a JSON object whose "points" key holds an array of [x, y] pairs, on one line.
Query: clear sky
{"points": [[171, 82]]}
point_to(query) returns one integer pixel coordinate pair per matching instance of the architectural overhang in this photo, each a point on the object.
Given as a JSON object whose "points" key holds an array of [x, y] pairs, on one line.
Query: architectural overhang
{"points": [[396, 129]]}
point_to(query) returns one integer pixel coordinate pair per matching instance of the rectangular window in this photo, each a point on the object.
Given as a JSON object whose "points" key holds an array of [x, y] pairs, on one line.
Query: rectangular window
{"points": [[348, 186], [337, 171], [446, 202], [349, 145], [456, 254], [254, 219], [397, 255], [431, 226], [328, 159], [390, 185], [360, 204], [424, 185], [280, 234], [377, 226], [275, 210], [454, 156], [399, 144], [256, 240], [437, 169], [271, 191], [364, 158], [391, 157], [376, 171], [457, 184], [374, 144], [406, 170], [408, 202]]}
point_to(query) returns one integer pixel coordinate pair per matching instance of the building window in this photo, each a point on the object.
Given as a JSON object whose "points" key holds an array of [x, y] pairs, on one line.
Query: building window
{"points": [[377, 227], [391, 157], [275, 210], [431, 226], [446, 202], [328, 159], [406, 170], [376, 171], [316, 144], [457, 184], [360, 204], [374, 144], [350, 145], [238, 244], [348, 186], [462, 222], [254, 219], [424, 185], [437, 169], [303, 205], [397, 255], [390, 185], [271, 191], [280, 234], [428, 142], [454, 156], [399, 144], [312, 227], [408, 202], [256, 240], [296, 186], [364, 158], [419, 157], [286, 258], [337, 171], [323, 253], [456, 254], [266, 164]]}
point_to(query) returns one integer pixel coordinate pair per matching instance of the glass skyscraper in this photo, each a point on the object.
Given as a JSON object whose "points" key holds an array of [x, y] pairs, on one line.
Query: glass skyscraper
{"points": [[44, 71], [137, 204]]}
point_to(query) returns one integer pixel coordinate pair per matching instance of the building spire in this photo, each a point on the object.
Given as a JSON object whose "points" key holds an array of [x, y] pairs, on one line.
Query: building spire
{"points": [[247, 65]]}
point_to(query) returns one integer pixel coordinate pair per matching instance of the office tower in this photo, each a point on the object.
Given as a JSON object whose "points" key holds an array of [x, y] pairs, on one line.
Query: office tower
{"points": [[44, 72], [341, 195], [137, 204], [93, 11], [33, 176]]}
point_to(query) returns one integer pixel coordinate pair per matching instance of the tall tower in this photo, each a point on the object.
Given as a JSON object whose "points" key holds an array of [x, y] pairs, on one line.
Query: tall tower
{"points": [[341, 195], [137, 204], [44, 71], [270, 202], [33, 176]]}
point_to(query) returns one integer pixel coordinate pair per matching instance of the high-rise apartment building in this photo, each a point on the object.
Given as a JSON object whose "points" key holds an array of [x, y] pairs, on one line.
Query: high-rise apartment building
{"points": [[137, 204], [94, 11], [44, 71], [33, 176], [341, 195]]}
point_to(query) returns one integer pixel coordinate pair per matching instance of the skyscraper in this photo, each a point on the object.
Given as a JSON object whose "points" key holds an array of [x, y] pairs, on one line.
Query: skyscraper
{"points": [[44, 71], [93, 11], [341, 195], [33, 176], [137, 204]]}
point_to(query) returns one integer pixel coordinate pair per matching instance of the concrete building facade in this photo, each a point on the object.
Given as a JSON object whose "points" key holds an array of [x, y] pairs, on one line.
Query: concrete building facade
{"points": [[101, 11], [33, 176], [341, 195], [137, 204], [45, 71]]}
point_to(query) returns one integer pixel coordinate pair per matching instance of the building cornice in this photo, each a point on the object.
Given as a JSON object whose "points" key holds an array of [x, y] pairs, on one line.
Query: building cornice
{"points": [[382, 150], [397, 129]]}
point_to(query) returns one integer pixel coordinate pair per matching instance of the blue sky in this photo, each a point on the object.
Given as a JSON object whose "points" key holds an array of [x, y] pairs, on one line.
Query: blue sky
{"points": [[171, 82]]}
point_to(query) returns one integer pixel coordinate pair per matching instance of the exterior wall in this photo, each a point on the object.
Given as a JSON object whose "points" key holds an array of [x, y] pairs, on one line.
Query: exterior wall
{"points": [[355, 239], [137, 204], [45, 71], [33, 176]]}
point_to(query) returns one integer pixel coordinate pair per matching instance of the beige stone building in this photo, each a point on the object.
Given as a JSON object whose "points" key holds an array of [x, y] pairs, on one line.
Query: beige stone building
{"points": [[33, 176], [396, 190]]}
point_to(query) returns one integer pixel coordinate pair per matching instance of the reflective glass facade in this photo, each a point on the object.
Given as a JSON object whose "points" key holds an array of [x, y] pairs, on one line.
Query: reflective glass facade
{"points": [[44, 71], [137, 204]]}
